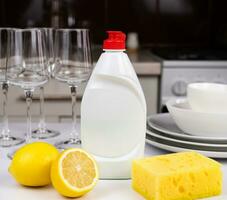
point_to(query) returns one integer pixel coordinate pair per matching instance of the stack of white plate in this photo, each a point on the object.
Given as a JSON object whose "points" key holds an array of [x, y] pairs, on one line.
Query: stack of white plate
{"points": [[163, 133]]}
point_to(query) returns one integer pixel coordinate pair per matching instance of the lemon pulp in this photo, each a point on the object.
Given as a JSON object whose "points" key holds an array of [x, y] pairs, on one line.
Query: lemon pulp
{"points": [[74, 173]]}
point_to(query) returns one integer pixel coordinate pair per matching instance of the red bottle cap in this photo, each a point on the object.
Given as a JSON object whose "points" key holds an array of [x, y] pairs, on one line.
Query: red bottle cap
{"points": [[115, 40]]}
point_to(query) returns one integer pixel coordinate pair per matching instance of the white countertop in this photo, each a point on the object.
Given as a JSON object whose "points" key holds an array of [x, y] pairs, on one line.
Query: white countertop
{"points": [[105, 189]]}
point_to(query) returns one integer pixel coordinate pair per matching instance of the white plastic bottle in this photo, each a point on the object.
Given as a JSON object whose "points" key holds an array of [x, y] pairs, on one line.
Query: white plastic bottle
{"points": [[113, 111]]}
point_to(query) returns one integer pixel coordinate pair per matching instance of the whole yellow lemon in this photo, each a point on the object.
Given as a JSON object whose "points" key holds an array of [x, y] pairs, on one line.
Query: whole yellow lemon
{"points": [[31, 164]]}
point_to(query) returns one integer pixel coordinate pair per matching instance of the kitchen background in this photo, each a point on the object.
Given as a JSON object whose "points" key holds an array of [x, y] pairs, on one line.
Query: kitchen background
{"points": [[158, 22], [181, 41]]}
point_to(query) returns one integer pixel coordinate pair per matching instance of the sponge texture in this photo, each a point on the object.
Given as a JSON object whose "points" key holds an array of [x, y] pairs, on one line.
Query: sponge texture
{"points": [[177, 176]]}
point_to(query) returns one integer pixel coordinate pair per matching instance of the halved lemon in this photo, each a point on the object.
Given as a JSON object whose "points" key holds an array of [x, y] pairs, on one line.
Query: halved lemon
{"points": [[74, 173]]}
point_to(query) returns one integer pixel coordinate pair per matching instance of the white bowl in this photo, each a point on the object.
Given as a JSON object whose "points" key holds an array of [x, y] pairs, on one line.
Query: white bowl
{"points": [[207, 97], [197, 123]]}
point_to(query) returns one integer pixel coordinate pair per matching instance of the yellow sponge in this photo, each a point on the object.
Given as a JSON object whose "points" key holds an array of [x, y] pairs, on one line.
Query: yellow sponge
{"points": [[177, 176]]}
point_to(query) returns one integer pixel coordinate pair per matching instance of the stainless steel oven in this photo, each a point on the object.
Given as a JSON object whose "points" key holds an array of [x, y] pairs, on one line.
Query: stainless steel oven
{"points": [[181, 67]]}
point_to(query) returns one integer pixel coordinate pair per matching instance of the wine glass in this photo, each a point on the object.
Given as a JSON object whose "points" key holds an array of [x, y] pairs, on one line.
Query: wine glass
{"points": [[27, 65], [73, 65], [42, 132], [6, 139]]}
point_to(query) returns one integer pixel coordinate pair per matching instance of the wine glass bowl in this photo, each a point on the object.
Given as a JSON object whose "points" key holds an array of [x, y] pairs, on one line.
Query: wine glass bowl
{"points": [[2, 70], [49, 40], [27, 62], [73, 73], [73, 62]]}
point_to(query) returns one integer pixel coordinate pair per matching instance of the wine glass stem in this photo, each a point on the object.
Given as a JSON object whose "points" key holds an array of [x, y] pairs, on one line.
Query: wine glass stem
{"points": [[28, 95], [74, 133], [5, 131], [42, 124]]}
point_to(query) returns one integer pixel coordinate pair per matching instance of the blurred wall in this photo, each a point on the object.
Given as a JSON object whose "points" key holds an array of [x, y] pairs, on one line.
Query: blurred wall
{"points": [[158, 22]]}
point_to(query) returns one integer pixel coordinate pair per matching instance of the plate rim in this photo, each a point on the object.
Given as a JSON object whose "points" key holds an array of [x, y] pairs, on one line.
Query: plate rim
{"points": [[149, 132], [180, 149]]}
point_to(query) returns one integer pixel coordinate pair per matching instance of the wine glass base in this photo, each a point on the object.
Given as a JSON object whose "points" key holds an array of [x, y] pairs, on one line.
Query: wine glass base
{"points": [[11, 154], [70, 143], [10, 141], [45, 134]]}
